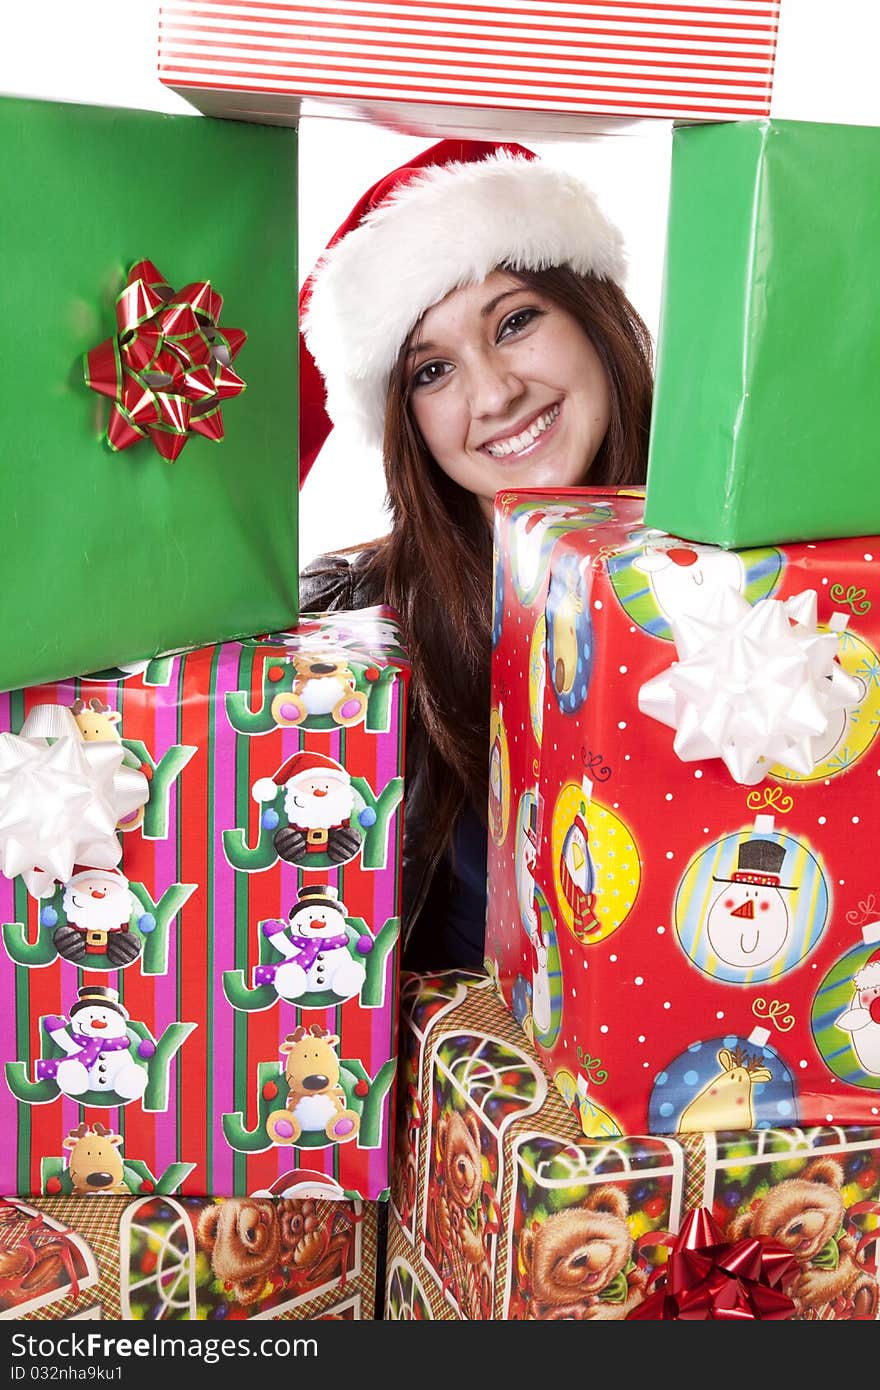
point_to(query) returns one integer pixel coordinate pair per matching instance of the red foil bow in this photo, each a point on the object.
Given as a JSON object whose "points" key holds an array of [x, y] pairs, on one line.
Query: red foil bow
{"points": [[707, 1278], [167, 370]]}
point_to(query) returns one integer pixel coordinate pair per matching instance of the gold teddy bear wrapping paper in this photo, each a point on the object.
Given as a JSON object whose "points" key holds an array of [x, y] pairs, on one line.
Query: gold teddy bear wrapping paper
{"points": [[502, 1209], [182, 1258]]}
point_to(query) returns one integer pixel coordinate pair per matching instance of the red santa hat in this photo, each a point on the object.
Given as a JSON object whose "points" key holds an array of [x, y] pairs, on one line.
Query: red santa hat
{"points": [[446, 219], [868, 977], [303, 764], [82, 871]]}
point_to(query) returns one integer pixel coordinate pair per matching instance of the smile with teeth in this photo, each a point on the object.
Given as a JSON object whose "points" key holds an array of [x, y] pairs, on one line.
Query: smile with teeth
{"points": [[518, 443]]}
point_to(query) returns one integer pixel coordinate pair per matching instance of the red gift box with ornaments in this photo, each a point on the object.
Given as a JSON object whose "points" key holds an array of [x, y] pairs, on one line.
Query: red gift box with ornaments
{"points": [[684, 780]]}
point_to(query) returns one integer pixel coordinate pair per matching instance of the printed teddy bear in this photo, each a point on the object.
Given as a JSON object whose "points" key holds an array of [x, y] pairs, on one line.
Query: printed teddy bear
{"points": [[256, 1241], [578, 1264], [456, 1227], [806, 1214]]}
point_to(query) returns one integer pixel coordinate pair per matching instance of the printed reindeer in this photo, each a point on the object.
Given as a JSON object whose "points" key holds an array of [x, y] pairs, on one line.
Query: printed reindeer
{"points": [[95, 1163], [97, 723], [725, 1102], [316, 1103]]}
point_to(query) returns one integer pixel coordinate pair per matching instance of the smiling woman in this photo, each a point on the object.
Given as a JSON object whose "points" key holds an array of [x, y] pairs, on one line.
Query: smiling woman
{"points": [[468, 317]]}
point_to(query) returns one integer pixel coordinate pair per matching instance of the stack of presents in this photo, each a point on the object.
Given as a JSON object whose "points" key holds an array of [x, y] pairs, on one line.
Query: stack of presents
{"points": [[661, 1098]]}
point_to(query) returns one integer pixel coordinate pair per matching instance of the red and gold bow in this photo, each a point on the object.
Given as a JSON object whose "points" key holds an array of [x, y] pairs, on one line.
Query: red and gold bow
{"points": [[167, 370], [707, 1278]]}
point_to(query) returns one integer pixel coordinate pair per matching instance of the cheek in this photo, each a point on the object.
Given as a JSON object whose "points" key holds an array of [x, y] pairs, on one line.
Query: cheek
{"points": [[437, 416]]}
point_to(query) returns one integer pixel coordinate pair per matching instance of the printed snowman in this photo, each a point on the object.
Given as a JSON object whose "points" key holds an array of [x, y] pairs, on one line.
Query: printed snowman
{"points": [[97, 904], [685, 577], [315, 945], [98, 1048], [530, 530], [577, 876], [823, 745], [862, 1019], [748, 921]]}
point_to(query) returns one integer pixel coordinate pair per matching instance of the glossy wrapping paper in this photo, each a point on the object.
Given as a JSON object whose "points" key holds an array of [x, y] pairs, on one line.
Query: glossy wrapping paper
{"points": [[764, 422], [502, 1209], [173, 1259], [688, 952], [212, 989], [112, 552], [553, 65]]}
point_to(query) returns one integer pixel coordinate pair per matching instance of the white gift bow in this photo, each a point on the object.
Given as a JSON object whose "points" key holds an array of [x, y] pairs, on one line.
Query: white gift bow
{"points": [[61, 799], [754, 685]]}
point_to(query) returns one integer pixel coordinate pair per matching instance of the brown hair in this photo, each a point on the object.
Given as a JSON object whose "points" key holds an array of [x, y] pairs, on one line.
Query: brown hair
{"points": [[435, 566]]}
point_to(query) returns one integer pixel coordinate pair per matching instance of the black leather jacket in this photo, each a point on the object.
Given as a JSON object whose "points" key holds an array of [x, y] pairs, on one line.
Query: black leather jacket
{"points": [[444, 908]]}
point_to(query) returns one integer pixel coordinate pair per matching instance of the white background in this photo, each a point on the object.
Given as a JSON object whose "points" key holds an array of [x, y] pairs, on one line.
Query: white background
{"points": [[104, 52]]}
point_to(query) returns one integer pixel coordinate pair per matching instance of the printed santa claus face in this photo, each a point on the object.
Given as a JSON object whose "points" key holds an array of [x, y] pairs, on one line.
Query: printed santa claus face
{"points": [[862, 1018], [747, 925], [98, 1021], [685, 577], [97, 902], [316, 800]]}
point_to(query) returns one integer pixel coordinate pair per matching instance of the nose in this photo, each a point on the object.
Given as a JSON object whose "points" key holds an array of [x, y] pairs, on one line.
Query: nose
{"points": [[99, 1180], [316, 1083], [98, 892], [747, 909], [492, 385], [320, 791]]}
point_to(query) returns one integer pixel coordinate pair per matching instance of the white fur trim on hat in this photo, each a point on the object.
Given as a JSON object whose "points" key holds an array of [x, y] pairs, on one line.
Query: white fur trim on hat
{"points": [[869, 975], [450, 226]]}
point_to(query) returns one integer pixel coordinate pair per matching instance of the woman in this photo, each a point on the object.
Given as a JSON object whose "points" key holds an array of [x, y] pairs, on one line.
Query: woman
{"points": [[468, 318]]}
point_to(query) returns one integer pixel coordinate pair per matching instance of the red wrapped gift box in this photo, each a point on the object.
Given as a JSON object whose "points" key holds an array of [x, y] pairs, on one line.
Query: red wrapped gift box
{"points": [[688, 951], [699, 62], [192, 999]]}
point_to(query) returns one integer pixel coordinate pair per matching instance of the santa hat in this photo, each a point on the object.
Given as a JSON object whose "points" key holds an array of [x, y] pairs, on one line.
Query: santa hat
{"points": [[304, 1182], [868, 977], [304, 764], [82, 871], [447, 218]]}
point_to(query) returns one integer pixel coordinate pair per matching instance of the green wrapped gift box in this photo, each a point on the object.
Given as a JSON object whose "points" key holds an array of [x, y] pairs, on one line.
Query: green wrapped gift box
{"points": [[111, 555], [765, 415]]}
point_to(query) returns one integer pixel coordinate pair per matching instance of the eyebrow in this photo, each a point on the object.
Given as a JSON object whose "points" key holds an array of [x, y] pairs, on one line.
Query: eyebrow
{"points": [[486, 310]]}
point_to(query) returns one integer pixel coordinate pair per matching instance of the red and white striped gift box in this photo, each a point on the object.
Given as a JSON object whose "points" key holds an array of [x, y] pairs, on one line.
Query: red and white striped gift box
{"points": [[260, 59]]}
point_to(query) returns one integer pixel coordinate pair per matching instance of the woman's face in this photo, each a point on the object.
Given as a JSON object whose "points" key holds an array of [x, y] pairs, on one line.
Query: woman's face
{"points": [[507, 390]]}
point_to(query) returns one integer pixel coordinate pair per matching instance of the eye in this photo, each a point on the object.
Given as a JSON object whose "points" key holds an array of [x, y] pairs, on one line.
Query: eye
{"points": [[430, 374], [517, 322]]}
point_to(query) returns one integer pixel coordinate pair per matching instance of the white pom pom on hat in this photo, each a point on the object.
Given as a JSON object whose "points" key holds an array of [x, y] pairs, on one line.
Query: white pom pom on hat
{"points": [[446, 219]]}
